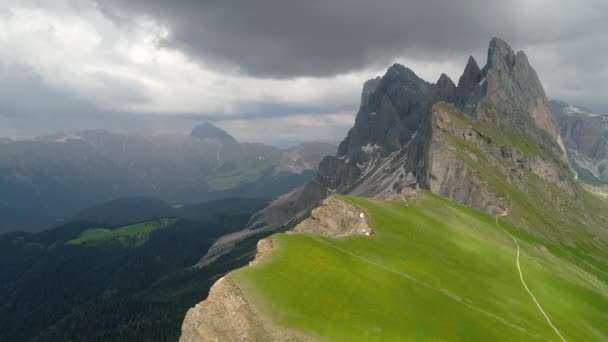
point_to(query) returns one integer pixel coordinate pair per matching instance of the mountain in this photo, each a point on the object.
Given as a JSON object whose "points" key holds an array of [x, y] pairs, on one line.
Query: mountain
{"points": [[447, 186], [209, 131], [113, 280], [93, 167], [398, 141], [586, 137]]}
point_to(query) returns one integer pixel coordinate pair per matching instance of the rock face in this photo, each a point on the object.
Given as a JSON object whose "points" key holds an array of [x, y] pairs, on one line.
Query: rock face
{"points": [[335, 218], [449, 174], [585, 135], [228, 316], [303, 157]]}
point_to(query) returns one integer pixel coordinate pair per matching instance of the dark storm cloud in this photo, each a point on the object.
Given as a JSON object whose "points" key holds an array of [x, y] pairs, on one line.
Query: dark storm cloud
{"points": [[279, 38], [29, 108]]}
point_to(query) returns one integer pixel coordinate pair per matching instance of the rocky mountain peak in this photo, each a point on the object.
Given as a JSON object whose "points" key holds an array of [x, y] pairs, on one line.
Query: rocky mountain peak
{"points": [[388, 116], [508, 85], [500, 54], [444, 90], [471, 76], [369, 87], [207, 130]]}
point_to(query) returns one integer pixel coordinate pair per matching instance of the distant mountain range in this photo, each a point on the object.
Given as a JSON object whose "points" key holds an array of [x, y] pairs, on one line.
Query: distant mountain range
{"points": [[585, 134], [47, 180]]}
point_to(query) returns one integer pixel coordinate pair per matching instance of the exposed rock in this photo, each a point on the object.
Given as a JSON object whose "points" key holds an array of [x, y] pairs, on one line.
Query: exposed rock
{"points": [[335, 218], [391, 115], [227, 315], [281, 214], [444, 90], [512, 88], [369, 87], [303, 157], [471, 76], [450, 175], [585, 135], [263, 247]]}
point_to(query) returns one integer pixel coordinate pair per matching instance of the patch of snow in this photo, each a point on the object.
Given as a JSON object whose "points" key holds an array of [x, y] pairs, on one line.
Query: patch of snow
{"points": [[369, 148], [483, 80]]}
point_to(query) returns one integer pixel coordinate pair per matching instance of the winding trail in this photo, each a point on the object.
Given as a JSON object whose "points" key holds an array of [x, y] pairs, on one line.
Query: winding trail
{"points": [[521, 277]]}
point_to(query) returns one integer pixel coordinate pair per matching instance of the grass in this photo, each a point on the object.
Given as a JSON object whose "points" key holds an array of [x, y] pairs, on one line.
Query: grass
{"points": [[233, 179], [131, 235], [433, 270]]}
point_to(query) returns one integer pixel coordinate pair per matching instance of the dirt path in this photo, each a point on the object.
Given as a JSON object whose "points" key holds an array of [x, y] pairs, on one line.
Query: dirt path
{"points": [[521, 277]]}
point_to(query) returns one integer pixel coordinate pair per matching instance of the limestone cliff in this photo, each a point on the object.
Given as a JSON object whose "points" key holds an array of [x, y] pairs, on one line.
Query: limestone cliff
{"points": [[227, 315], [399, 141], [585, 135]]}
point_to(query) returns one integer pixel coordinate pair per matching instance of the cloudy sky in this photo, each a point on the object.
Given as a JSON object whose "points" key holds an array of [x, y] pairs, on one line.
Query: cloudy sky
{"points": [[267, 70]]}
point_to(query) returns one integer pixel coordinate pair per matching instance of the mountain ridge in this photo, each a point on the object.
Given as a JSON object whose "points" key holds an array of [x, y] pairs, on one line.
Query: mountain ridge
{"points": [[387, 150], [91, 167], [491, 144]]}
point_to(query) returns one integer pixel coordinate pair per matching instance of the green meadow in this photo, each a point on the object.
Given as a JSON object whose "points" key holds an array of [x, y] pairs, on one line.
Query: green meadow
{"points": [[131, 235], [432, 271]]}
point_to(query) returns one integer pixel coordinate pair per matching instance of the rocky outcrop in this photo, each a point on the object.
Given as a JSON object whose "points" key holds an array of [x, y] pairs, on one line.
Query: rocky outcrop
{"points": [[510, 87], [227, 315], [449, 174], [585, 135], [335, 218]]}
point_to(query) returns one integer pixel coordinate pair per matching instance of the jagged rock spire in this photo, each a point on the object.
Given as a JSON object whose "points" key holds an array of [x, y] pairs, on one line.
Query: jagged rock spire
{"points": [[471, 76]]}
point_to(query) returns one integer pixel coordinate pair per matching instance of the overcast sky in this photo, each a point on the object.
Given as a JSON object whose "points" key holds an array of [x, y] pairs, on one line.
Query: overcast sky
{"points": [[267, 70]]}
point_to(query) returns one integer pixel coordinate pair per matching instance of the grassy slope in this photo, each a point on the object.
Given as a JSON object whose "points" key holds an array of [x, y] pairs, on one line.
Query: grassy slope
{"points": [[135, 234], [433, 271]]}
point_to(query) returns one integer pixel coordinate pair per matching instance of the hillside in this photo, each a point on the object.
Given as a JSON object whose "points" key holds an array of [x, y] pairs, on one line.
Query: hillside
{"points": [[96, 281], [432, 269]]}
